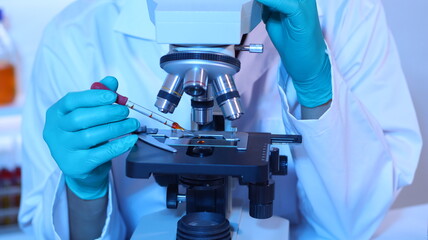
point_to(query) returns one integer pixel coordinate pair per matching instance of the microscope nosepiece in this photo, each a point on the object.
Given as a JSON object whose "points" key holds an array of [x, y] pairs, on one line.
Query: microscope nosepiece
{"points": [[170, 94], [192, 70], [228, 97]]}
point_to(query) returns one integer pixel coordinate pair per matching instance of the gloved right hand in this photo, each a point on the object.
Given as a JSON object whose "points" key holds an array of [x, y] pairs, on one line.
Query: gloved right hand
{"points": [[77, 131], [294, 28]]}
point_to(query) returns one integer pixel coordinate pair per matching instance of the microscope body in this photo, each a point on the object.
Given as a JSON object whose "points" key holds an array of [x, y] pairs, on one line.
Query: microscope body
{"points": [[203, 38]]}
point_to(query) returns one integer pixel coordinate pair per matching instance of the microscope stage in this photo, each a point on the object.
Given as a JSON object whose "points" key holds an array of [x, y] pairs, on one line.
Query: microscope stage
{"points": [[204, 156]]}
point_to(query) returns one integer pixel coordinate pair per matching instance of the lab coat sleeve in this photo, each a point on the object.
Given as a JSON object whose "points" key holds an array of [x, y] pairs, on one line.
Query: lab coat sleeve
{"points": [[356, 157], [43, 211]]}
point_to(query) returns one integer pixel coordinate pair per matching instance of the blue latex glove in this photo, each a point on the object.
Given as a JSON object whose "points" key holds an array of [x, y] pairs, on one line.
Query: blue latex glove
{"points": [[78, 129], [294, 28]]}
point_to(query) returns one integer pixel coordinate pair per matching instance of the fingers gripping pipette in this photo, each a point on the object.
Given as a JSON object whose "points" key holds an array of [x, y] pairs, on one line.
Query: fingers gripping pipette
{"points": [[122, 100]]}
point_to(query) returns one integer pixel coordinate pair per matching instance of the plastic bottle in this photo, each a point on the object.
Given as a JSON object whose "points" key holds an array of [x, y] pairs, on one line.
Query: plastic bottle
{"points": [[7, 62], [9, 176]]}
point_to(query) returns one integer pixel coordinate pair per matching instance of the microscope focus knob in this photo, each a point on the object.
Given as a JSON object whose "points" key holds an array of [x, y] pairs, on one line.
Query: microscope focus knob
{"points": [[278, 164], [171, 196], [261, 200]]}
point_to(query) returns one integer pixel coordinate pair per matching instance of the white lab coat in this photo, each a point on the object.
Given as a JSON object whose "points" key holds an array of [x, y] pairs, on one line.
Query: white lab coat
{"points": [[351, 164]]}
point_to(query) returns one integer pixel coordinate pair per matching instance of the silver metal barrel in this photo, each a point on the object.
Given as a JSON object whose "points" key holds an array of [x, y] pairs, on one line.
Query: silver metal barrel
{"points": [[227, 97], [170, 94]]}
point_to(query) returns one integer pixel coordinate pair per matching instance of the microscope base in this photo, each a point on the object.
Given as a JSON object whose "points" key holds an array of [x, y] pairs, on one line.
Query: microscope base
{"points": [[162, 225]]}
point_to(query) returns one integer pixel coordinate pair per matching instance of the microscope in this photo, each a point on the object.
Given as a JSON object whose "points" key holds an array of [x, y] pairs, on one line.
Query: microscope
{"points": [[200, 167]]}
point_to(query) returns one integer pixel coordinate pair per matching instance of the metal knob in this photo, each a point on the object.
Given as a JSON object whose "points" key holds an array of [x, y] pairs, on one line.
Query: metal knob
{"points": [[261, 199], [252, 48], [278, 164]]}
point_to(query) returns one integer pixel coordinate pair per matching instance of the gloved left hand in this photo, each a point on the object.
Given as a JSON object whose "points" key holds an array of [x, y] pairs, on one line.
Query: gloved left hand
{"points": [[79, 130], [294, 28]]}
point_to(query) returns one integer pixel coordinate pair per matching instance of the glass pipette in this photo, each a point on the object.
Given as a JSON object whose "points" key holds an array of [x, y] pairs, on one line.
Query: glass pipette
{"points": [[122, 100]]}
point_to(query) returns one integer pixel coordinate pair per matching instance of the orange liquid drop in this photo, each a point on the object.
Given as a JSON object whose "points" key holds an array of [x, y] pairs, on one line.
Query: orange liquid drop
{"points": [[177, 126]]}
